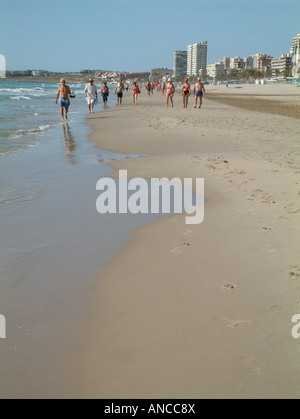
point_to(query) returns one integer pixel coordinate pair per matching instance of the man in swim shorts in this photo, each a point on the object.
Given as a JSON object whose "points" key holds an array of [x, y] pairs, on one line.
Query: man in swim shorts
{"points": [[63, 98], [91, 95], [119, 91], [105, 94], [199, 92], [148, 87]]}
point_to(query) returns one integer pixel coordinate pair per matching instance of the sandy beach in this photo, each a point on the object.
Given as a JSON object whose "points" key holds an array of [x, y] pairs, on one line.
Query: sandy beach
{"points": [[204, 311]]}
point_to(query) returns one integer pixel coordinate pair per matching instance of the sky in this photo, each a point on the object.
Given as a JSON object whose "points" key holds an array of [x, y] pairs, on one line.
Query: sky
{"points": [[137, 35]]}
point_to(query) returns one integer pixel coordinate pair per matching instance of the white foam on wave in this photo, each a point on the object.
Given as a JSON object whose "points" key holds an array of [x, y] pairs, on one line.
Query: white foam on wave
{"points": [[27, 132], [27, 91], [20, 98]]}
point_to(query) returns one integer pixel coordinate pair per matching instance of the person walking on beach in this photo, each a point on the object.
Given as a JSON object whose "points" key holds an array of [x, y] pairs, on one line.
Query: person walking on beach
{"points": [[91, 95], [186, 92], [148, 87], [170, 90], [105, 93], [119, 91], [63, 98], [199, 91], [135, 91], [163, 88]]}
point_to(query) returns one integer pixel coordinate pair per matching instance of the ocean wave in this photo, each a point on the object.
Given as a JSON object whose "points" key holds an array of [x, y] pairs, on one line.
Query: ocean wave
{"points": [[18, 148], [19, 97], [10, 197], [28, 91], [25, 132]]}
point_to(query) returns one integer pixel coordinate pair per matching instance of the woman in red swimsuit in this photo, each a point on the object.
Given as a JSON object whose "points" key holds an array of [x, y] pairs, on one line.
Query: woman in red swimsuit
{"points": [[185, 92]]}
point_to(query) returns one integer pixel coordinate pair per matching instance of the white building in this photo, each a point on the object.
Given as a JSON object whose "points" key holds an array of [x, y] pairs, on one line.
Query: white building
{"points": [[280, 65], [249, 62], [216, 69], [197, 58], [295, 53]]}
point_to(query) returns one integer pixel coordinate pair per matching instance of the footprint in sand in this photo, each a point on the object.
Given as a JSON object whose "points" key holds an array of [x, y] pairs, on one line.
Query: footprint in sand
{"points": [[294, 273], [179, 248], [268, 200], [233, 324], [228, 287], [242, 182], [291, 209], [266, 228], [255, 371], [240, 172], [275, 307]]}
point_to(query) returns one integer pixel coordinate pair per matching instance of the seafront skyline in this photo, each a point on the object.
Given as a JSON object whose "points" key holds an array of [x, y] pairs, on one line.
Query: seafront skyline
{"points": [[119, 35]]}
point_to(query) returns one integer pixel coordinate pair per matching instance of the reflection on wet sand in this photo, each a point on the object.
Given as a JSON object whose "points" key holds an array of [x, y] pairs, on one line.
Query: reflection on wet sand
{"points": [[70, 144]]}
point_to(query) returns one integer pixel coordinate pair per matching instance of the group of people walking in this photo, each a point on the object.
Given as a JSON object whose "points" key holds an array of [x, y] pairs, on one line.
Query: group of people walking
{"points": [[91, 93], [186, 91]]}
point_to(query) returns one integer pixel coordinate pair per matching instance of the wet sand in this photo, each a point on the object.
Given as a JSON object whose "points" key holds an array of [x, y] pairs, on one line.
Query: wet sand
{"points": [[197, 311], [259, 98]]}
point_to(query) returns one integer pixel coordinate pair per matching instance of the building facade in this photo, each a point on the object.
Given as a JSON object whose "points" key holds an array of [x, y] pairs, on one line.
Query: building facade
{"points": [[280, 65], [197, 59], [226, 61], [180, 64], [214, 70], [249, 63], [237, 63], [256, 57], [264, 63], [295, 53]]}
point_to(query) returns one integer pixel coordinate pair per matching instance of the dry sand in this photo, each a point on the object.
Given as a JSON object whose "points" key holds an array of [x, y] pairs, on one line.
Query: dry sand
{"points": [[203, 310]]}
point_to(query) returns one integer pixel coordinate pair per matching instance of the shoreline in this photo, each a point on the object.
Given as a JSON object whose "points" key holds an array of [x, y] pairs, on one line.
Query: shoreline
{"points": [[159, 333]]}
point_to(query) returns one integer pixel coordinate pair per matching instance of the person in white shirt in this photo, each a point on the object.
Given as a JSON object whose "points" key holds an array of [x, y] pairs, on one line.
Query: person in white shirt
{"points": [[91, 95]]}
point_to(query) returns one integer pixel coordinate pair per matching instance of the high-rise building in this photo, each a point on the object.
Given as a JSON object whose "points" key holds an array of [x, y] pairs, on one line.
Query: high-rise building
{"points": [[295, 53], [180, 64], [197, 58], [249, 62], [226, 61], [256, 57]]}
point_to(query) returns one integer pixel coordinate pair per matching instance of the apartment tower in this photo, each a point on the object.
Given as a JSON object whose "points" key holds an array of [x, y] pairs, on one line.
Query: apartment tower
{"points": [[180, 64], [197, 58]]}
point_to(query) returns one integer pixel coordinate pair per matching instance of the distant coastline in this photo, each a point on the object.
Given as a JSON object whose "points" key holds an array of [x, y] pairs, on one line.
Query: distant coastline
{"points": [[51, 79], [80, 77]]}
